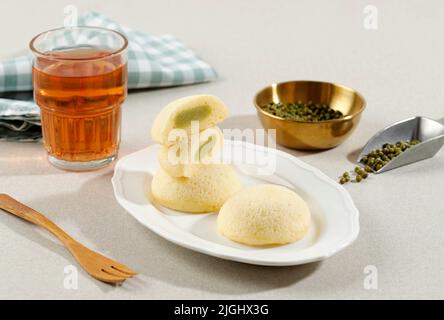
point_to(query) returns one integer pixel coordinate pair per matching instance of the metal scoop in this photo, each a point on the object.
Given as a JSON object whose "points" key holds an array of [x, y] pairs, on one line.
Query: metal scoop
{"points": [[429, 132]]}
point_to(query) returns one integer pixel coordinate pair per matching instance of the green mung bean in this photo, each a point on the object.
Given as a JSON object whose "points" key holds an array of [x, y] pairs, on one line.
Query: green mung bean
{"points": [[310, 112], [376, 159]]}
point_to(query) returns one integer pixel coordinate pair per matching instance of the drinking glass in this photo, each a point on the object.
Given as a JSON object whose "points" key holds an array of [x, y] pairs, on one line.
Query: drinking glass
{"points": [[80, 82]]}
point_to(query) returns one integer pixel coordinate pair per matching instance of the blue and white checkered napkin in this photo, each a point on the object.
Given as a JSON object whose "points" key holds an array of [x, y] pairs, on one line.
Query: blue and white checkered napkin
{"points": [[153, 61]]}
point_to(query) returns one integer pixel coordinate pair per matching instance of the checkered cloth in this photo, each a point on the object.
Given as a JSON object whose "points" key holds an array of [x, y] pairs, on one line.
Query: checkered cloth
{"points": [[153, 61]]}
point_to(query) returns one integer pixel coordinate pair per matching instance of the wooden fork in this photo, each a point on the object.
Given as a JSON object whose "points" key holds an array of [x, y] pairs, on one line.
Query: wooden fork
{"points": [[98, 266]]}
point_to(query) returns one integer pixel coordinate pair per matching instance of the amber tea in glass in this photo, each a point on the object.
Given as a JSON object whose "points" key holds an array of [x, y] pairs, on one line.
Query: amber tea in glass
{"points": [[80, 83]]}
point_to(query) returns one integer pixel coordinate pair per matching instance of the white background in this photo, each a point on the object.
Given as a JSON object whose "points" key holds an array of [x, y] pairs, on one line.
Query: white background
{"points": [[399, 70]]}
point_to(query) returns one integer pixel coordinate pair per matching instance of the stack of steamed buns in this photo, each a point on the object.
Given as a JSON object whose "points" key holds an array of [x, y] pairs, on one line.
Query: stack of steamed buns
{"points": [[192, 178]]}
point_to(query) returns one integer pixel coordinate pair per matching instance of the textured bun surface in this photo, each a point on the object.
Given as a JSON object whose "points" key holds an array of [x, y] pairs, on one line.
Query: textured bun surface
{"points": [[205, 190], [265, 214]]}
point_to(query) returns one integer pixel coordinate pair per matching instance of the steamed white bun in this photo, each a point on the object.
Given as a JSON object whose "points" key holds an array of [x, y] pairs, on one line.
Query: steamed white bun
{"points": [[184, 157], [264, 215], [205, 190], [207, 109]]}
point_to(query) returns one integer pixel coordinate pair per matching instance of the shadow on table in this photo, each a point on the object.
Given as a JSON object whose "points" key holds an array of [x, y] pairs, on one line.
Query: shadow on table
{"points": [[353, 156], [30, 158], [110, 230], [24, 158]]}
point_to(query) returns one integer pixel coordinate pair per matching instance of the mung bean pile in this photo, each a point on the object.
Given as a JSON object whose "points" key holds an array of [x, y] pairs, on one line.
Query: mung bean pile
{"points": [[301, 111], [377, 159]]}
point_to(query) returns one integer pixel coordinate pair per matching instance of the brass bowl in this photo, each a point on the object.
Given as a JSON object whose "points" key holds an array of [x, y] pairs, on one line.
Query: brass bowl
{"points": [[311, 135]]}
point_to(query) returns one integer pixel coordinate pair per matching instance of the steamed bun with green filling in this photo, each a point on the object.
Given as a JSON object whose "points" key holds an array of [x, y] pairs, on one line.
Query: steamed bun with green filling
{"points": [[205, 190], [207, 109], [264, 214], [183, 158]]}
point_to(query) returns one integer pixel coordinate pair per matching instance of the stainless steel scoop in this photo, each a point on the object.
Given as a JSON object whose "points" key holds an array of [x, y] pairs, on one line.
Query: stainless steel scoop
{"points": [[429, 132]]}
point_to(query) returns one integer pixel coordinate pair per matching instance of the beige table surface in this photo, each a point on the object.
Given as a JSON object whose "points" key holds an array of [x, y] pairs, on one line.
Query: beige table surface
{"points": [[399, 69]]}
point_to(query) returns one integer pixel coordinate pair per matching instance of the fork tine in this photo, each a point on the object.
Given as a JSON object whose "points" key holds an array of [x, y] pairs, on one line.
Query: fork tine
{"points": [[122, 268], [106, 277], [116, 272]]}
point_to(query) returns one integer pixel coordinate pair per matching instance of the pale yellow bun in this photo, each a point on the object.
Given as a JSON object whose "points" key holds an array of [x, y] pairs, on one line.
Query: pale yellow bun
{"points": [[205, 191], [184, 157], [264, 214], [207, 109]]}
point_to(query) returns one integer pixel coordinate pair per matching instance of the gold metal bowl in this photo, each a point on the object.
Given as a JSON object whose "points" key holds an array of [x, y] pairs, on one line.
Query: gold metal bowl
{"points": [[311, 135]]}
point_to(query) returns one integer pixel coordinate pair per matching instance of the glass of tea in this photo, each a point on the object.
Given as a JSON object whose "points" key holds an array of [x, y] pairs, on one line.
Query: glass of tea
{"points": [[80, 82]]}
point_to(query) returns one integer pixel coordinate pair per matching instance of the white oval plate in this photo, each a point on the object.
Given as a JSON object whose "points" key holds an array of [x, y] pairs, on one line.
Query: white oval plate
{"points": [[335, 219]]}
